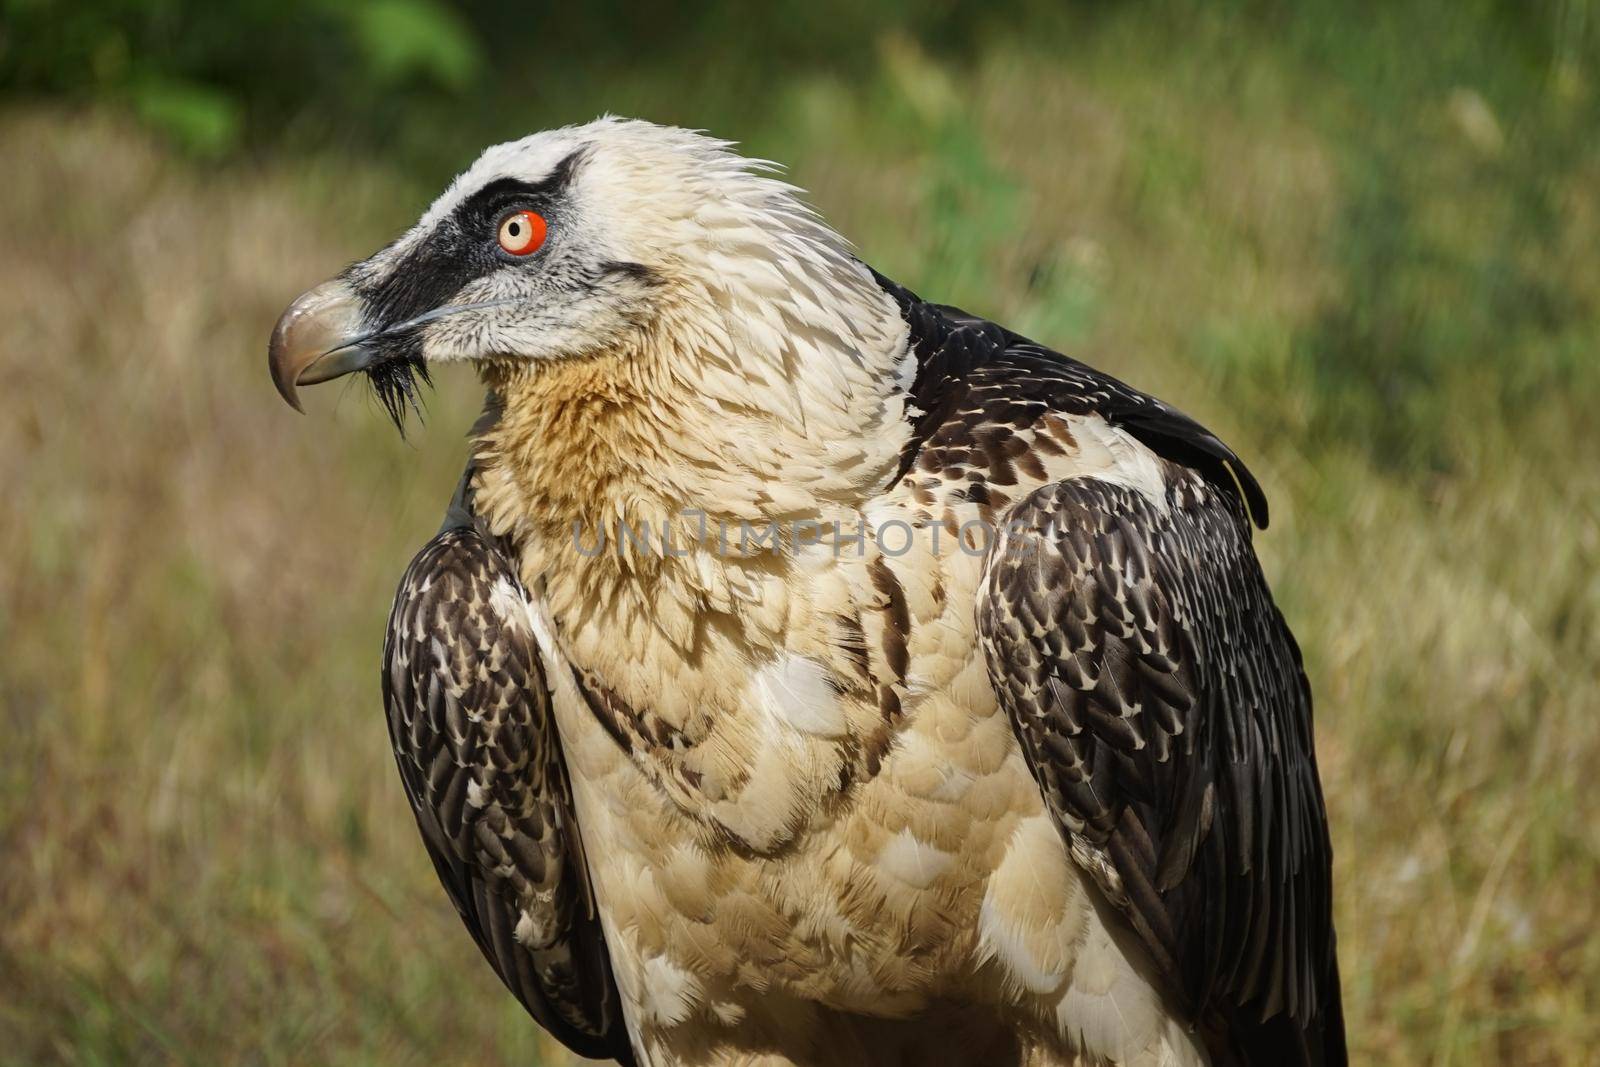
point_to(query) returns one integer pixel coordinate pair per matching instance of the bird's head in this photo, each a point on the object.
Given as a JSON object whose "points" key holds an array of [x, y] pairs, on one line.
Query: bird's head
{"points": [[564, 243]]}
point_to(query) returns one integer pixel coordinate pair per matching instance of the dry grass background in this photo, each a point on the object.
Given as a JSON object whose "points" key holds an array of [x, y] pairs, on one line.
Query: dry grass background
{"points": [[205, 857]]}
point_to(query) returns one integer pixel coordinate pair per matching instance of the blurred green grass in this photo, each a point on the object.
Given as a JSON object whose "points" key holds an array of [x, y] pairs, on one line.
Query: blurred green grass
{"points": [[1357, 242]]}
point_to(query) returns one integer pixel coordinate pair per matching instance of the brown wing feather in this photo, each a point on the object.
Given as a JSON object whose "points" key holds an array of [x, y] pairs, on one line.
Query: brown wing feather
{"points": [[470, 719], [1155, 689], [1160, 702]]}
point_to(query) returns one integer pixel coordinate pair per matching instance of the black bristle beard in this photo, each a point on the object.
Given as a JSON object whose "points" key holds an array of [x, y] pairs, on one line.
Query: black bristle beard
{"points": [[394, 382]]}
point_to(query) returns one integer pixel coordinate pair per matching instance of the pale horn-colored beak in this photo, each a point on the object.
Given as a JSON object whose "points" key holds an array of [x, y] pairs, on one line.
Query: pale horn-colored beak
{"points": [[318, 338]]}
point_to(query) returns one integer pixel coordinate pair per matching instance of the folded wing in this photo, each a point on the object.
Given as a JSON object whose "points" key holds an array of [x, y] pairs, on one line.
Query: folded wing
{"points": [[1160, 702], [470, 719]]}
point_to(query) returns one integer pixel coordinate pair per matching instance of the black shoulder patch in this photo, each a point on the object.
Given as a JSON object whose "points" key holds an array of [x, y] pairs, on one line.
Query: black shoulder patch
{"points": [[954, 347]]}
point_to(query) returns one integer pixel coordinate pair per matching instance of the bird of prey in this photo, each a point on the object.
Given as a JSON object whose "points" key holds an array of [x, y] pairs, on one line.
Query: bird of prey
{"points": [[807, 673]]}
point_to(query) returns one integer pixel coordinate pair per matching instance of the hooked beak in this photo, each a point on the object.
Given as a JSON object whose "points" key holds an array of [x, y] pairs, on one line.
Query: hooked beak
{"points": [[319, 338]]}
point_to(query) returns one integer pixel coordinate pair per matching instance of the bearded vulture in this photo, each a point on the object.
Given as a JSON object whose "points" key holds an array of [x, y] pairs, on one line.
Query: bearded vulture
{"points": [[807, 673]]}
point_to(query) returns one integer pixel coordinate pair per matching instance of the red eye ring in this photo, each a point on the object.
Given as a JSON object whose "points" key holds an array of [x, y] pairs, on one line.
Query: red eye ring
{"points": [[522, 233]]}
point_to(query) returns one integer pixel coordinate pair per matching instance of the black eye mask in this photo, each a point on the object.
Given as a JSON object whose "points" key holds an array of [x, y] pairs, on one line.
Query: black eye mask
{"points": [[462, 248]]}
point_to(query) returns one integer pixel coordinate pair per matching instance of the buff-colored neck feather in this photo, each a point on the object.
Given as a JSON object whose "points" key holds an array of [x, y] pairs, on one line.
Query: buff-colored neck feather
{"points": [[765, 395]]}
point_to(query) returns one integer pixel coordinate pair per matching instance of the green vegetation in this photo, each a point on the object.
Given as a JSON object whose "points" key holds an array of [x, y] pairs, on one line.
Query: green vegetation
{"points": [[1359, 241]]}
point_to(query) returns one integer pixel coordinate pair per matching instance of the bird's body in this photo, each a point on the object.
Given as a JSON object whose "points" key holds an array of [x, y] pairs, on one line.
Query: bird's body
{"points": [[818, 814], [918, 697]]}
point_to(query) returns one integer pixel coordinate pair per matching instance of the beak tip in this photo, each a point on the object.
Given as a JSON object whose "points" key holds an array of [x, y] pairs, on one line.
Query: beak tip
{"points": [[318, 322], [280, 382]]}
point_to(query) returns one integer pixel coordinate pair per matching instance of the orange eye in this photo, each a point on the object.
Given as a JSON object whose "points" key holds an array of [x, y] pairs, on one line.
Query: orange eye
{"points": [[522, 232]]}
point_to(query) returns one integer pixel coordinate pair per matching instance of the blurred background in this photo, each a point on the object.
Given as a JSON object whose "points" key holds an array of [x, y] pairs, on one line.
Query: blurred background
{"points": [[1361, 241]]}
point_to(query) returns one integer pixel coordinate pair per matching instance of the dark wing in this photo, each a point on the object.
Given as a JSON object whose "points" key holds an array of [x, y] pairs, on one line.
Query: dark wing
{"points": [[970, 369], [1154, 687], [1160, 702], [470, 719]]}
